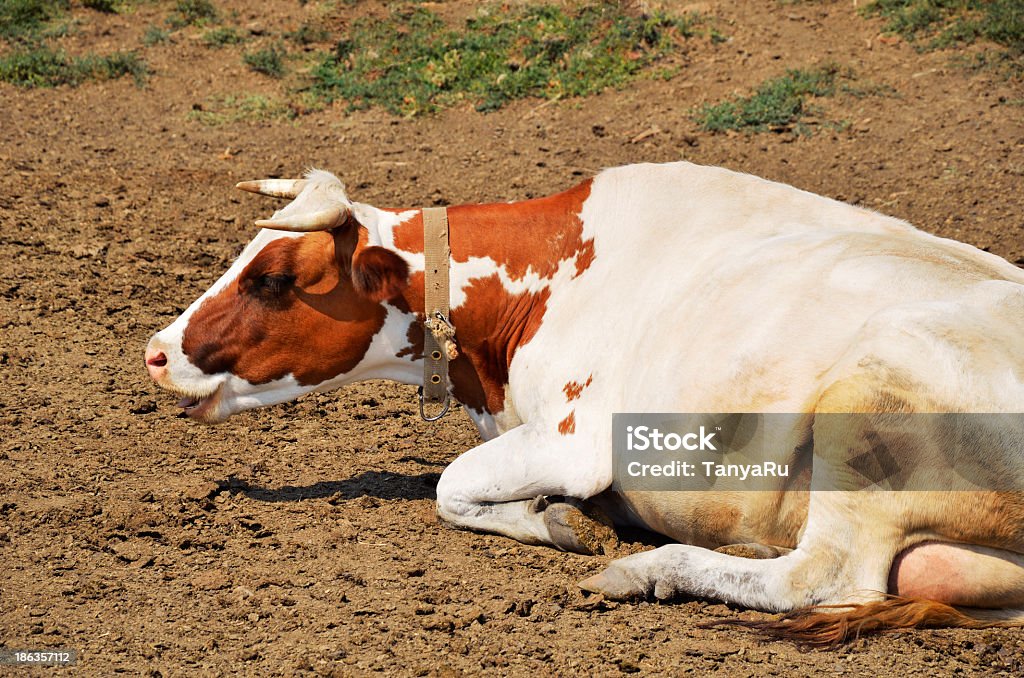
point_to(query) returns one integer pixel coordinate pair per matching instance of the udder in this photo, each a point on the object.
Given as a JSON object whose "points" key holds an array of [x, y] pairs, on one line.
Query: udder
{"points": [[959, 574]]}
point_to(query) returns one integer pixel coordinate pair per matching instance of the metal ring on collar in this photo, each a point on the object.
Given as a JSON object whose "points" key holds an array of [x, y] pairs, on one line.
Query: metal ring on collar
{"points": [[444, 410]]}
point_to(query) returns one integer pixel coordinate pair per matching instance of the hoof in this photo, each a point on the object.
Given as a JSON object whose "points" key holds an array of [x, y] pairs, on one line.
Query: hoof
{"points": [[579, 528], [660, 573], [614, 584]]}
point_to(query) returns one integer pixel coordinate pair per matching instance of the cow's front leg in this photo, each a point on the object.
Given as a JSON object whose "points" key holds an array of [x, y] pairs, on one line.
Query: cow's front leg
{"points": [[530, 486]]}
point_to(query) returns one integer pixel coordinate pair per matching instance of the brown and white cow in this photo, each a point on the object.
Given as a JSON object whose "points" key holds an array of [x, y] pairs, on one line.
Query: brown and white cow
{"points": [[656, 288]]}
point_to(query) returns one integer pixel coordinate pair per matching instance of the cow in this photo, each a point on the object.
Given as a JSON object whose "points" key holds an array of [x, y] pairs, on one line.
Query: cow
{"points": [[659, 288]]}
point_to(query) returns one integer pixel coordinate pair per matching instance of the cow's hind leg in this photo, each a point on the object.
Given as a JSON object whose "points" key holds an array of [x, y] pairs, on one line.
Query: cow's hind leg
{"points": [[844, 554], [839, 560], [532, 487]]}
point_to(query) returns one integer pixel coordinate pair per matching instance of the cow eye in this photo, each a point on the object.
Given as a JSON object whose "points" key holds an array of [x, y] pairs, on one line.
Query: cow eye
{"points": [[273, 284]]}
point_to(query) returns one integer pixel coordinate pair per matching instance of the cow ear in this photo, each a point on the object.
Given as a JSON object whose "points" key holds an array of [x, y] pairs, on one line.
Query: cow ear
{"points": [[379, 274]]}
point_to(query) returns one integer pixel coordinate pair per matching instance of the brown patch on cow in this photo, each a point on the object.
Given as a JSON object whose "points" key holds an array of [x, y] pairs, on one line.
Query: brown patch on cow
{"points": [[408, 235], [520, 236], [413, 299], [568, 425], [468, 388], [574, 389], [414, 335], [489, 328], [584, 258], [293, 310]]}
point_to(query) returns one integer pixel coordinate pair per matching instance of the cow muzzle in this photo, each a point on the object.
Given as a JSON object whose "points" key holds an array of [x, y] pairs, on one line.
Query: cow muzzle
{"points": [[201, 397], [156, 363]]}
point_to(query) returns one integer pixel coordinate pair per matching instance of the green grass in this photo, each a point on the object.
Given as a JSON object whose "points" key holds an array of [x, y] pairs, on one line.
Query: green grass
{"points": [[229, 109], [941, 23], [777, 104], [28, 26], [224, 35], [268, 61], [25, 18], [45, 67], [155, 35], [193, 13], [307, 34], [411, 62], [105, 6]]}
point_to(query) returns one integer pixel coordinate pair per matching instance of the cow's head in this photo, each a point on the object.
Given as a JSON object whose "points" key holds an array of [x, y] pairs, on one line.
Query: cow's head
{"points": [[301, 309]]}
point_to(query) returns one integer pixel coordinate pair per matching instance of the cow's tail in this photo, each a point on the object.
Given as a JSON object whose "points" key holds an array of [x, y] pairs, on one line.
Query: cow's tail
{"points": [[827, 626]]}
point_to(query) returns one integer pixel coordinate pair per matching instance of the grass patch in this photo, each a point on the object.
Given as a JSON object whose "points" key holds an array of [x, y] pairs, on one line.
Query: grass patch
{"points": [[105, 6], [1000, 61], [220, 37], [24, 18], [778, 104], [193, 13], [307, 35], [231, 109], [411, 62], [269, 61], [155, 35], [941, 23], [45, 67], [869, 90], [28, 25]]}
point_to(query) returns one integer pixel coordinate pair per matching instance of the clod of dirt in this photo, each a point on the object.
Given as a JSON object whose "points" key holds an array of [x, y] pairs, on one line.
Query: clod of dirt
{"points": [[127, 551], [439, 623], [143, 407], [471, 614], [211, 580], [593, 602], [202, 491]]}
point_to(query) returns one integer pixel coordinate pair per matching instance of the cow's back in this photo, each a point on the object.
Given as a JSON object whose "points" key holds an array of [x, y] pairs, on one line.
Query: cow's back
{"points": [[706, 285]]}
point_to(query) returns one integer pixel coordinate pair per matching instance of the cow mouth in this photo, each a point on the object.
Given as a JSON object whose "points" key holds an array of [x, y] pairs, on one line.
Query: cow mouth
{"points": [[199, 407]]}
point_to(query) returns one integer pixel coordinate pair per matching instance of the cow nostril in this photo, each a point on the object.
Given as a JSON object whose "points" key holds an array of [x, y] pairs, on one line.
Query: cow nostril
{"points": [[159, 360]]}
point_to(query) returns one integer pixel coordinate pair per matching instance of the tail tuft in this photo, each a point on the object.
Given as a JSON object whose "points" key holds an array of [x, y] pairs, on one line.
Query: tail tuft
{"points": [[817, 628]]}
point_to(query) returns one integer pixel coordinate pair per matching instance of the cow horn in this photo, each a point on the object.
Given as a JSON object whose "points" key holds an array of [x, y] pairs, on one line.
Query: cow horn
{"points": [[276, 188], [303, 223]]}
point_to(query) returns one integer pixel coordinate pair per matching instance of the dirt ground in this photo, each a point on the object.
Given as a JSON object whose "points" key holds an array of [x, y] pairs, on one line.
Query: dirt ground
{"points": [[302, 538]]}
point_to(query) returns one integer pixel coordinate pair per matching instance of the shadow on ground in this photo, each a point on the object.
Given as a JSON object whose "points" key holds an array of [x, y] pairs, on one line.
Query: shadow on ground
{"points": [[369, 484]]}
